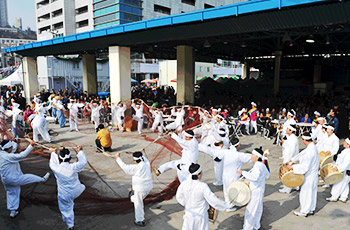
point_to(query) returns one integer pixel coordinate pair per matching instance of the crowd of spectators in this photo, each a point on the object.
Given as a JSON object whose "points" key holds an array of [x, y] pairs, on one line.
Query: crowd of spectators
{"points": [[335, 108], [7, 71]]}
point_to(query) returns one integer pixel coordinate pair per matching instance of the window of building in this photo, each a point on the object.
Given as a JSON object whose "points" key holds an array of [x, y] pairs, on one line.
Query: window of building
{"points": [[76, 65], [108, 24], [81, 10], [57, 13], [42, 3], [162, 9], [207, 6], [189, 2], [44, 17], [106, 10], [57, 26], [82, 23], [44, 29]]}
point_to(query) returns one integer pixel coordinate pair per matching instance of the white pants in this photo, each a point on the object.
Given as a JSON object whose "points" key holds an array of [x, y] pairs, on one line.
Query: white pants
{"points": [[195, 221], [13, 188], [308, 194], [254, 211], [73, 121], [139, 123], [137, 199], [43, 132], [181, 174], [96, 120], [218, 171], [66, 205], [253, 126], [341, 189], [174, 126], [120, 123], [157, 125]]}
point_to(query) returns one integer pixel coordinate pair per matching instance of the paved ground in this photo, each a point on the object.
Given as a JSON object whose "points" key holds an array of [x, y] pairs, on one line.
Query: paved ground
{"points": [[168, 214]]}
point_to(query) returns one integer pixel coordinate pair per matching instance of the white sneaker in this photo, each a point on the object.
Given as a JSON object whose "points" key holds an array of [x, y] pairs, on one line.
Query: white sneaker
{"points": [[325, 186], [330, 199], [46, 177], [342, 200], [284, 190], [300, 214], [231, 209], [77, 130], [217, 184], [13, 214]]}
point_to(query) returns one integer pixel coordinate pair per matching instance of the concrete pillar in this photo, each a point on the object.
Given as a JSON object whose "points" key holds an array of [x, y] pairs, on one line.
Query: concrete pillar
{"points": [[317, 72], [185, 74], [30, 78], [246, 69], [276, 85], [120, 73], [89, 73]]}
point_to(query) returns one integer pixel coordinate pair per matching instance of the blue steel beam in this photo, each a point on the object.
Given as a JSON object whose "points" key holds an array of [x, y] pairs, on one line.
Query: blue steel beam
{"points": [[190, 17]]}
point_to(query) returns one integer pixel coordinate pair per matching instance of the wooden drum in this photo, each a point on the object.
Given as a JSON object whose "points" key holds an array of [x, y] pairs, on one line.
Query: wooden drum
{"points": [[212, 214], [324, 159], [239, 192], [289, 179], [330, 174]]}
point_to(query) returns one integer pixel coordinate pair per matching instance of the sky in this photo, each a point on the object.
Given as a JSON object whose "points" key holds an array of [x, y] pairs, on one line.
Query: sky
{"points": [[24, 9]]}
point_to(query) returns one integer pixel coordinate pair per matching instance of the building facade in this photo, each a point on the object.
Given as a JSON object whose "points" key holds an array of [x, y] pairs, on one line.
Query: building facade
{"points": [[18, 23], [3, 13], [57, 18], [63, 17]]}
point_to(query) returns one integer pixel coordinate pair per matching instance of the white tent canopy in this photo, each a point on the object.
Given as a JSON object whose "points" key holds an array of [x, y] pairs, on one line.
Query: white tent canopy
{"points": [[15, 78]]}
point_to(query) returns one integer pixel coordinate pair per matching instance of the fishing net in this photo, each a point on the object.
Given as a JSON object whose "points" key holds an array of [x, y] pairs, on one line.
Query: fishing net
{"points": [[107, 186]]}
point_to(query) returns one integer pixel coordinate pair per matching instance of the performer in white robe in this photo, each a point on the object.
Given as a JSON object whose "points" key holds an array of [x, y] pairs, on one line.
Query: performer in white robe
{"points": [[177, 125], [203, 130], [141, 183], [321, 137], [73, 114], [290, 148], [256, 177], [68, 184], [317, 131], [189, 155], [340, 190], [330, 144], [158, 121], [12, 176], [196, 197], [17, 119], [308, 166], [95, 114], [39, 126], [118, 115], [138, 115], [232, 162], [290, 121]]}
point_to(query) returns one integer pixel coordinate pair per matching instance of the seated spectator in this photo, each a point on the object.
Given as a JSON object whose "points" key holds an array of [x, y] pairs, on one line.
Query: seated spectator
{"points": [[103, 139], [306, 119]]}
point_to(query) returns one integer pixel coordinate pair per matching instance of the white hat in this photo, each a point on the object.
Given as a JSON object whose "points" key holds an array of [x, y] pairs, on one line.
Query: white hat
{"points": [[284, 110], [253, 103], [317, 113], [321, 118], [267, 109], [219, 116]]}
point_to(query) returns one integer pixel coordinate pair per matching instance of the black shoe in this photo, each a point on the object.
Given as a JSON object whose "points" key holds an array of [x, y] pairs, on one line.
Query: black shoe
{"points": [[72, 228], [140, 223], [311, 213]]}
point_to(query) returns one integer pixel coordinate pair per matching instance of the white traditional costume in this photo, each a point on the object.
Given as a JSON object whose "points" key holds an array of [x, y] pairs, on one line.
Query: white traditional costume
{"points": [[141, 183], [118, 115], [138, 116], [341, 189], [196, 197], [257, 177], [179, 121], [68, 184], [12, 176], [39, 126], [189, 156], [308, 166]]}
